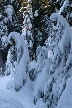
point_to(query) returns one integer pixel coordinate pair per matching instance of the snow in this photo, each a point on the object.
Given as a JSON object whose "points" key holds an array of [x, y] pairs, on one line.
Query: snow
{"points": [[8, 102], [65, 32], [24, 33], [41, 58], [32, 65], [40, 104], [36, 13], [29, 0], [16, 99], [16, 36], [9, 11], [50, 54]]}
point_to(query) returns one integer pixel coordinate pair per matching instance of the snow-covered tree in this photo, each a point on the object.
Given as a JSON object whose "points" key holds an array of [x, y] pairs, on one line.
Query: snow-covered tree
{"points": [[3, 27], [11, 14], [53, 46], [61, 44], [3, 33], [9, 18], [20, 75], [41, 11], [27, 28], [65, 39]]}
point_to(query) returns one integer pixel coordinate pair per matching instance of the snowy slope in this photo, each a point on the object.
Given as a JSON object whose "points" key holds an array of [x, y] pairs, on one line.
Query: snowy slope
{"points": [[24, 96], [8, 102]]}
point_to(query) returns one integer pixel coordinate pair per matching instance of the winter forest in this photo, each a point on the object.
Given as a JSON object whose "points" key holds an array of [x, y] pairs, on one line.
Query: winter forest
{"points": [[35, 53]]}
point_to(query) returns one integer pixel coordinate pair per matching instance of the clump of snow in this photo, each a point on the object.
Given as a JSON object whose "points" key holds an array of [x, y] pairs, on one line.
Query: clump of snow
{"points": [[29, 0], [32, 65], [50, 54], [36, 13]]}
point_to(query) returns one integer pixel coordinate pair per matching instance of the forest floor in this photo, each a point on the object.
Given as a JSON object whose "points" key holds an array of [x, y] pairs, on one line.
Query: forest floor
{"points": [[24, 96]]}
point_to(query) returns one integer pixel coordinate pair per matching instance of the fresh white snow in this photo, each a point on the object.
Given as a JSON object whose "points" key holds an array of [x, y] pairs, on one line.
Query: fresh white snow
{"points": [[8, 102], [9, 95]]}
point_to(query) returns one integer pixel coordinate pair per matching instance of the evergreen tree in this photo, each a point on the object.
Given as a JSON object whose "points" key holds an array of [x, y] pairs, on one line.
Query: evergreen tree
{"points": [[22, 60], [27, 28], [61, 49], [10, 11], [42, 10], [9, 21]]}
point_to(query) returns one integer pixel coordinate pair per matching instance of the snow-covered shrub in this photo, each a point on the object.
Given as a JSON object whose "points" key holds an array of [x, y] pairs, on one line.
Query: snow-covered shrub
{"points": [[22, 60]]}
